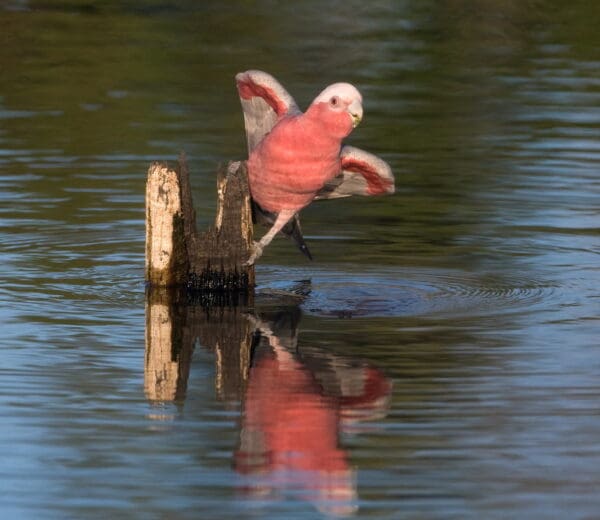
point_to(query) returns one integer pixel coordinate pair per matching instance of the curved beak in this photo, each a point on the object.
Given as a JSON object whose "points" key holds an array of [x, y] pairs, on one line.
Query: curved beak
{"points": [[356, 112]]}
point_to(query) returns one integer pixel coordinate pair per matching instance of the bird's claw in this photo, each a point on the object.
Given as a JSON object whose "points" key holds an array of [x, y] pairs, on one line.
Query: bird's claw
{"points": [[255, 254]]}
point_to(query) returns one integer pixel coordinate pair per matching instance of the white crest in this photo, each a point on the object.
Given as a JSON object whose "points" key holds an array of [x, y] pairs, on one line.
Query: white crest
{"points": [[344, 91]]}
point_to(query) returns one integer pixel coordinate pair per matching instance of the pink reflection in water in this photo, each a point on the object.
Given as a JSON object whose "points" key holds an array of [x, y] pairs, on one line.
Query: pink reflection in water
{"points": [[290, 431]]}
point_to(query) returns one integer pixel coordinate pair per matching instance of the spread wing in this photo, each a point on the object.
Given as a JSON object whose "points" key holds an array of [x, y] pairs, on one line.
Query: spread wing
{"points": [[362, 174], [264, 102]]}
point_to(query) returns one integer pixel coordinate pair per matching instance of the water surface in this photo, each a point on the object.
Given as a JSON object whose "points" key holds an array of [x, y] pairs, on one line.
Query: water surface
{"points": [[443, 361]]}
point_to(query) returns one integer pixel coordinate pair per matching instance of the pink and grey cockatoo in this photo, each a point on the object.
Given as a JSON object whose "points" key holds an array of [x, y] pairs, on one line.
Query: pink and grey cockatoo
{"points": [[295, 157]]}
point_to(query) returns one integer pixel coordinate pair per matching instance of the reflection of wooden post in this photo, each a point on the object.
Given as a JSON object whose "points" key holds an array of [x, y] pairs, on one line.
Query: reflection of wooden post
{"points": [[160, 371], [176, 254], [169, 347], [229, 333], [172, 327]]}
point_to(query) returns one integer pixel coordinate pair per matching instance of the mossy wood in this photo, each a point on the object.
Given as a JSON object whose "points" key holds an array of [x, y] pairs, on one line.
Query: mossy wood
{"points": [[176, 254]]}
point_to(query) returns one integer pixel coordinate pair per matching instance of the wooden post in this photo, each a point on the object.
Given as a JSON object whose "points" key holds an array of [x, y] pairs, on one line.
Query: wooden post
{"points": [[176, 254], [197, 281], [167, 260]]}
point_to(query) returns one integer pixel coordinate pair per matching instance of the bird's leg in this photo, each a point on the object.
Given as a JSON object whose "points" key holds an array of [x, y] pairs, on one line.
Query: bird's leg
{"points": [[282, 219]]}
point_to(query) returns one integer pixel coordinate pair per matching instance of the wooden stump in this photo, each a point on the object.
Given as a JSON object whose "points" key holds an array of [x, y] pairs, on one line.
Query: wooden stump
{"points": [[167, 258], [198, 283], [176, 254]]}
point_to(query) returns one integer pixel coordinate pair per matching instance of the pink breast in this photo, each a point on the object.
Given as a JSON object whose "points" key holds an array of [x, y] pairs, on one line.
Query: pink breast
{"points": [[290, 165]]}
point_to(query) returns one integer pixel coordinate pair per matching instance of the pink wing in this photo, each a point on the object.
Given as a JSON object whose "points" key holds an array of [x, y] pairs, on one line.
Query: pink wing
{"points": [[362, 174], [264, 102]]}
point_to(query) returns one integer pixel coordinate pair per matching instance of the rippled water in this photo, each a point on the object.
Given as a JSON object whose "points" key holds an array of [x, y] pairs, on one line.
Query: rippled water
{"points": [[440, 358]]}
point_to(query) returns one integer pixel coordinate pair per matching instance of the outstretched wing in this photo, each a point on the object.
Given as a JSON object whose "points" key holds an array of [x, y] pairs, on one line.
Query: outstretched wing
{"points": [[362, 174], [264, 102]]}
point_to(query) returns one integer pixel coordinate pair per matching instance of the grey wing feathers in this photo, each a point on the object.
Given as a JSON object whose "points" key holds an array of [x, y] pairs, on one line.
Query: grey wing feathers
{"points": [[362, 174], [264, 102], [291, 230], [258, 120]]}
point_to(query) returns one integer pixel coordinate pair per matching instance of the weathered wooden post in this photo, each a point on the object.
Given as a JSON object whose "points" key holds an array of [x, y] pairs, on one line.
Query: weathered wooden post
{"points": [[196, 281], [176, 254]]}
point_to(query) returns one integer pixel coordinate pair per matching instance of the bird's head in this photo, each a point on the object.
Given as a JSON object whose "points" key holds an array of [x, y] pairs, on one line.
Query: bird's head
{"points": [[339, 107]]}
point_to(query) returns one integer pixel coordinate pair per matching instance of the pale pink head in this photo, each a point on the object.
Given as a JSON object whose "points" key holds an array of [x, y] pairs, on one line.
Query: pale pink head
{"points": [[339, 108]]}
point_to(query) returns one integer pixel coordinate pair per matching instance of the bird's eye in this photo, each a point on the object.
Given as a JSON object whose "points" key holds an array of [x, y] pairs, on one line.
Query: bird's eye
{"points": [[334, 101]]}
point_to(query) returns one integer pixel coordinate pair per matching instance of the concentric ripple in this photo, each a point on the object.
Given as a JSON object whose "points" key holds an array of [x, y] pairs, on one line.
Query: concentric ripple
{"points": [[418, 292]]}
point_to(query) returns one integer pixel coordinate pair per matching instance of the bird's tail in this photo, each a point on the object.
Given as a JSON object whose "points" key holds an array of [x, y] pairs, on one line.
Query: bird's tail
{"points": [[291, 229]]}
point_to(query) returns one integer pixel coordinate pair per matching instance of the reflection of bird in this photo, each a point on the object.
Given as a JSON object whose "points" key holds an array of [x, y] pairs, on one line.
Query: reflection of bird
{"points": [[295, 157], [289, 437], [298, 400]]}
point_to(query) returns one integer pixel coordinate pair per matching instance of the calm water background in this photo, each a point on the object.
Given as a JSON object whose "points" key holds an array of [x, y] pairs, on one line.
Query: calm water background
{"points": [[475, 290]]}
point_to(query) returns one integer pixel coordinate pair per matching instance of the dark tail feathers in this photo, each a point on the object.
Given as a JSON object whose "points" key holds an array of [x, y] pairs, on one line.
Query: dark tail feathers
{"points": [[291, 229]]}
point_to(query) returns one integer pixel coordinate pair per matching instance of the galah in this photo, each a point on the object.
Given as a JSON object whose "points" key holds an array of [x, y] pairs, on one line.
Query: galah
{"points": [[295, 158]]}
